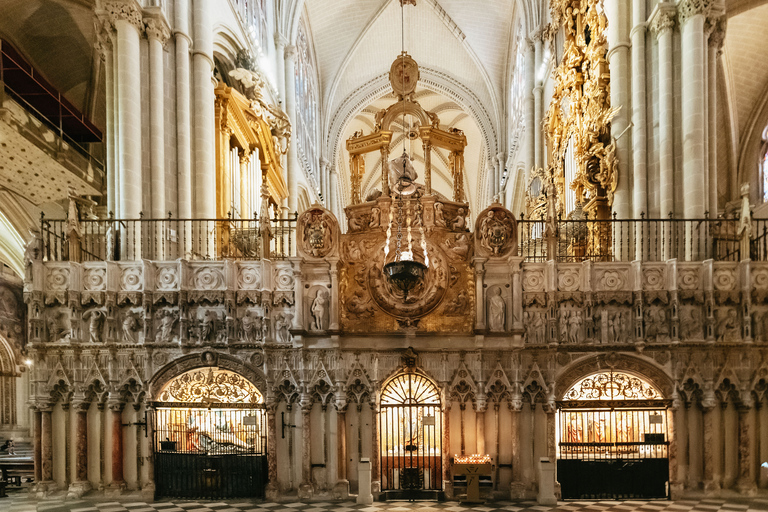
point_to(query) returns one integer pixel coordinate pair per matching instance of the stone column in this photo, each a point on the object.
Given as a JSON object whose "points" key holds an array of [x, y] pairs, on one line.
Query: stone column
{"points": [[692, 14], [639, 134], [272, 490], [245, 207], [341, 489], [203, 123], [661, 25], [183, 116], [538, 115], [716, 39], [334, 310], [707, 405], [746, 481], [375, 447], [446, 459], [81, 483], [38, 444], [305, 489], [292, 169], [333, 192], [157, 34], [127, 22], [480, 423], [106, 52], [280, 43], [530, 105], [117, 446], [618, 64], [517, 487], [675, 480], [46, 444]]}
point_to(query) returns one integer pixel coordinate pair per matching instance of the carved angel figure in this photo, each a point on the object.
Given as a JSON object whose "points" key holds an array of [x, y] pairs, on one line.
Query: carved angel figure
{"points": [[439, 215], [460, 222], [130, 326], [95, 319]]}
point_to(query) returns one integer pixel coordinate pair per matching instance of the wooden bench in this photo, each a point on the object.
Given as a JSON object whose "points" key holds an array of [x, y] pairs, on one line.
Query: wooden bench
{"points": [[13, 470]]}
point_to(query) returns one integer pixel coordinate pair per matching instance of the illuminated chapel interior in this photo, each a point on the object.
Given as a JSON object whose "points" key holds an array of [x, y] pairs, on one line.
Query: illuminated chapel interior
{"points": [[384, 250]]}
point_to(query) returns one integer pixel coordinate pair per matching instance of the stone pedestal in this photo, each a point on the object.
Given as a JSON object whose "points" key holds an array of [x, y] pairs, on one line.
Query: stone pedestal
{"points": [[546, 482], [364, 495]]}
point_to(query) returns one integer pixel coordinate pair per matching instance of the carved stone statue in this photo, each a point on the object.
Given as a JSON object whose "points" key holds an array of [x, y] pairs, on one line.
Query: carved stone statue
{"points": [[564, 325], [282, 326], [375, 217], [497, 311], [207, 326], [575, 322], [460, 222], [167, 321], [251, 328], [130, 326], [318, 311], [728, 327], [439, 215], [95, 319], [534, 327]]}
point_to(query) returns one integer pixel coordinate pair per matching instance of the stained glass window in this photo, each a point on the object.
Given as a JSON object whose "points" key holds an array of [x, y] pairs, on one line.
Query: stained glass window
{"points": [[306, 108]]}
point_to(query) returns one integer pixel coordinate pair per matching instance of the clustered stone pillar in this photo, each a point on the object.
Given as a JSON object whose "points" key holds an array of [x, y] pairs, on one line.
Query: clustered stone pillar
{"points": [[661, 26], [183, 119], [292, 168], [618, 64], [157, 33], [530, 105], [639, 167], [538, 106], [715, 49], [203, 123]]}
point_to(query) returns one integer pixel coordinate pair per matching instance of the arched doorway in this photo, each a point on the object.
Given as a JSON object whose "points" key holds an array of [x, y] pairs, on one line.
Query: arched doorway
{"points": [[411, 427], [612, 439], [210, 436]]}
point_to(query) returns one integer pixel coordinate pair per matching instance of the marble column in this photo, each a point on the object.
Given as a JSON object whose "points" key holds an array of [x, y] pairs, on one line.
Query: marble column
{"points": [[81, 483], [462, 444], [292, 169], [710, 485], [716, 39], [674, 413], [117, 445], [280, 43], [746, 480], [272, 490], [306, 489], [639, 134], [694, 107], [446, 459], [203, 123], [127, 24], [618, 64], [157, 33], [341, 489], [529, 106], [661, 25], [46, 445], [104, 43], [38, 444], [183, 115], [517, 487], [375, 448]]}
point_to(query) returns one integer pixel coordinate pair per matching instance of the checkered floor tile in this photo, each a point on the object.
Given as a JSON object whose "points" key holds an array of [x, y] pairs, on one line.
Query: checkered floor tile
{"points": [[21, 502]]}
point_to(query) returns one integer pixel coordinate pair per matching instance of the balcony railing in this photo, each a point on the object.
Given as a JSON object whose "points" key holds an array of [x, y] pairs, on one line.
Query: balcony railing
{"points": [[564, 241], [636, 239], [167, 239]]}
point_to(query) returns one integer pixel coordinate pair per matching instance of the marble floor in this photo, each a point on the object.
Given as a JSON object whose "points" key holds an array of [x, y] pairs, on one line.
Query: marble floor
{"points": [[21, 502]]}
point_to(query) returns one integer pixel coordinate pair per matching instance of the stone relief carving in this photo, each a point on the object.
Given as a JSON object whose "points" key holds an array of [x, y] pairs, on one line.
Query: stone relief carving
{"points": [[166, 321], [58, 324], [131, 278], [728, 325], [656, 324], [497, 310], [94, 279], [282, 325], [249, 277], [167, 277], [458, 246], [95, 319], [250, 326], [496, 231], [535, 327], [359, 305], [130, 326], [460, 222], [208, 278], [567, 279], [691, 323], [439, 215], [319, 232]]}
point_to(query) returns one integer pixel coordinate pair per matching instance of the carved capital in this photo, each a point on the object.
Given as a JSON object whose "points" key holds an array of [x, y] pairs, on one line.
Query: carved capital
{"points": [[716, 29], [290, 51], [157, 28], [662, 22], [687, 9], [124, 10]]}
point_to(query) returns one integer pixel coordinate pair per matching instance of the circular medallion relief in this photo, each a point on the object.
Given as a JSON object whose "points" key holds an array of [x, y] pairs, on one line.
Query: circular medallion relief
{"points": [[403, 75], [422, 299]]}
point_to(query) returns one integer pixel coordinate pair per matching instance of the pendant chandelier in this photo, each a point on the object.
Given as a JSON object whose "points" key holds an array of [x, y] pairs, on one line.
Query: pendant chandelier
{"points": [[405, 272]]}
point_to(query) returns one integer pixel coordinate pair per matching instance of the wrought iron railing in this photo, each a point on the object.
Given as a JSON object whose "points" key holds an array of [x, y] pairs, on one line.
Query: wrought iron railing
{"points": [[167, 239], [634, 239]]}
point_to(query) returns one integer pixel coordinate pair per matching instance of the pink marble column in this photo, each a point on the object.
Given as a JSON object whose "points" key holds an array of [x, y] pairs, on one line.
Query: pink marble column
{"points": [[306, 446], [675, 483], [375, 450], [272, 487], [341, 440], [46, 445], [710, 485], [38, 441], [746, 481], [447, 480], [81, 442], [516, 486], [117, 444]]}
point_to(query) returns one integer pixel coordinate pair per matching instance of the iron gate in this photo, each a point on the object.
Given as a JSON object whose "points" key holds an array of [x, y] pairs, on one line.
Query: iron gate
{"points": [[210, 453], [411, 436], [613, 453]]}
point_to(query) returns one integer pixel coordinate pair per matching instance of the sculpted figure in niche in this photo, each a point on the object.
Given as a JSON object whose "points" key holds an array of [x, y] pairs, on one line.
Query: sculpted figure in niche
{"points": [[497, 311], [460, 223], [207, 326], [130, 326], [355, 224], [58, 326], [95, 319], [574, 326], [728, 327], [460, 246], [564, 325], [439, 215], [282, 324], [167, 321], [250, 325], [318, 311]]}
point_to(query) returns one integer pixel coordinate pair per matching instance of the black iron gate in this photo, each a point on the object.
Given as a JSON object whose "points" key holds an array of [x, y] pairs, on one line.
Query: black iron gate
{"points": [[613, 453], [210, 453], [410, 420]]}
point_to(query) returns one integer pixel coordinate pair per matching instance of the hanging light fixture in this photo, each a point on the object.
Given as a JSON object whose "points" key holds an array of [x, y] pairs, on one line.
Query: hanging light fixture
{"points": [[404, 271]]}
